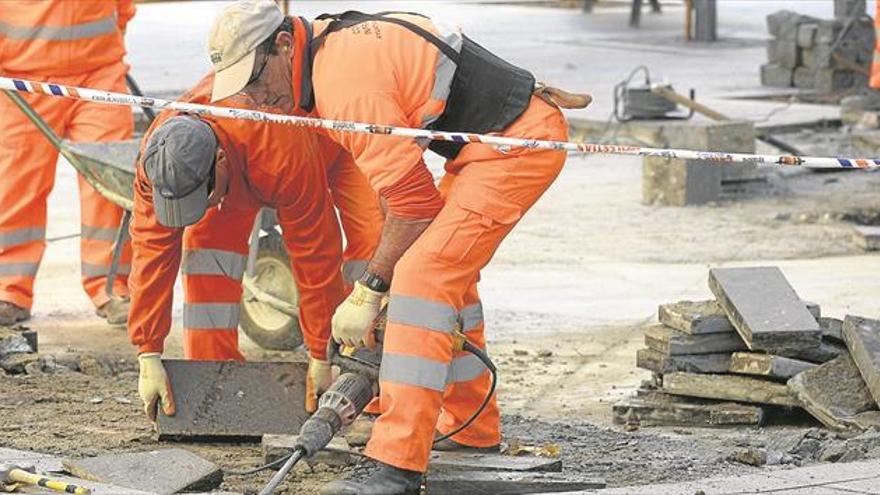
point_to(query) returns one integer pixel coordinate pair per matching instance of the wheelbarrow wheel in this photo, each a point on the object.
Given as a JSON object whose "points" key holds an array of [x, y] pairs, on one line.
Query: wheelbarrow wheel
{"points": [[265, 324]]}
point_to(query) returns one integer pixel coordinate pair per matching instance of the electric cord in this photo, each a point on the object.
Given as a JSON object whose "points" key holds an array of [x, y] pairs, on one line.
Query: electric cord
{"points": [[284, 458], [482, 356]]}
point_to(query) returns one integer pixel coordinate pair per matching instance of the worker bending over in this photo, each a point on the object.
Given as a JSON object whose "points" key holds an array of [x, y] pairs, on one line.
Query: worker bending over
{"points": [[406, 70], [200, 184], [78, 44]]}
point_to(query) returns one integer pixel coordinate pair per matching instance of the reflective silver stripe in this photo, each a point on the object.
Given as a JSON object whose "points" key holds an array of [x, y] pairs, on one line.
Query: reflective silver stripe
{"points": [[207, 316], [100, 27], [18, 269], [417, 312], [214, 262], [21, 236], [412, 370], [352, 270], [471, 316], [100, 233], [445, 69], [465, 369], [90, 270]]}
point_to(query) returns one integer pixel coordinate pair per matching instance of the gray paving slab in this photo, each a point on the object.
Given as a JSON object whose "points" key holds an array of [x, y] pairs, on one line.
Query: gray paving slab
{"points": [[729, 387], [832, 328], [862, 337], [765, 309], [44, 463], [463, 461], [672, 342], [647, 412], [160, 471], [96, 487], [232, 399], [661, 363], [695, 317], [495, 483], [834, 393], [767, 365]]}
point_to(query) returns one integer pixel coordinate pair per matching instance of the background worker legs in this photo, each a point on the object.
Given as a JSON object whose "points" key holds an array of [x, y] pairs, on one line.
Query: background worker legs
{"points": [[100, 220], [432, 293], [214, 261]]}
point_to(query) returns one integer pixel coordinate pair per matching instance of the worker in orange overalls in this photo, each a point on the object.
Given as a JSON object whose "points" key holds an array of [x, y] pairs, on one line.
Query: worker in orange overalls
{"points": [[79, 44], [240, 166], [874, 82], [405, 70]]}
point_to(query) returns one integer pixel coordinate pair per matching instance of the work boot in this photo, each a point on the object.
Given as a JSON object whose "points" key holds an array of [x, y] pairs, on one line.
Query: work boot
{"points": [[388, 480], [450, 445], [10, 314], [115, 311]]}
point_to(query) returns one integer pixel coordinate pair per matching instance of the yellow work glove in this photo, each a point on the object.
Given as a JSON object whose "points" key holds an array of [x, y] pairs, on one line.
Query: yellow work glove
{"points": [[154, 386], [353, 319], [318, 380]]}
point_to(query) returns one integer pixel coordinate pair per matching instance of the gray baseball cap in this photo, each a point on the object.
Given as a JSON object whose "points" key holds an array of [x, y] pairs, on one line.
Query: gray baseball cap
{"points": [[179, 161]]}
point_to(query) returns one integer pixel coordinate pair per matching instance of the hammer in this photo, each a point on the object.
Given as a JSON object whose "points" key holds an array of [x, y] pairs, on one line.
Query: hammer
{"points": [[25, 474]]}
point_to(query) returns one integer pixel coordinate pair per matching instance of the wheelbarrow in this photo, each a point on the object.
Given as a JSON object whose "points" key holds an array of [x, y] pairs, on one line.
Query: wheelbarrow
{"points": [[269, 303]]}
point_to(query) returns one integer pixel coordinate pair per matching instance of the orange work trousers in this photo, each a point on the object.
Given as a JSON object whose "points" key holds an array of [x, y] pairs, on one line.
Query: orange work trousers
{"points": [[27, 176], [875, 65], [424, 384], [215, 259]]}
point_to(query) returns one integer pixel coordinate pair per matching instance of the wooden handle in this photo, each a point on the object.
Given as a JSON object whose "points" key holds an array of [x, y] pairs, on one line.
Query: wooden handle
{"points": [[20, 476]]}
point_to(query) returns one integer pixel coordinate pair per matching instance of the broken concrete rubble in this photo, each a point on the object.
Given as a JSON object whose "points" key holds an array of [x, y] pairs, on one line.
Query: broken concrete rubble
{"points": [[834, 393], [12, 342], [767, 365], [862, 337], [729, 387], [161, 471], [277, 446], [765, 309]]}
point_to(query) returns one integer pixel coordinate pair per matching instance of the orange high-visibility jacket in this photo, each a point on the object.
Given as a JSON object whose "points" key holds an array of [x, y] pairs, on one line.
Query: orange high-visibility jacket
{"points": [[61, 37], [381, 73], [271, 165]]}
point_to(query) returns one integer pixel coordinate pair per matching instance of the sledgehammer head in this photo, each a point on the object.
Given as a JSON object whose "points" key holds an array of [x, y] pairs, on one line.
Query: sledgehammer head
{"points": [[7, 469]]}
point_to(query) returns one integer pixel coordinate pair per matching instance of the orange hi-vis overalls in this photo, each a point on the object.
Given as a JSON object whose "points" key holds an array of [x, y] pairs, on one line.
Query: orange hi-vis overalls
{"points": [[78, 43], [385, 74], [875, 65], [270, 166]]}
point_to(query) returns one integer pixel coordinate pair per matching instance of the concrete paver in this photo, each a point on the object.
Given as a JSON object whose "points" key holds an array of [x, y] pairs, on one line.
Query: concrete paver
{"points": [[833, 393], [862, 336], [729, 387]]}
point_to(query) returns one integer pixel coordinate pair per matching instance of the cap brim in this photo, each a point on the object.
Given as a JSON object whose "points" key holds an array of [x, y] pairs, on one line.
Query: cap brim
{"points": [[234, 78], [181, 212]]}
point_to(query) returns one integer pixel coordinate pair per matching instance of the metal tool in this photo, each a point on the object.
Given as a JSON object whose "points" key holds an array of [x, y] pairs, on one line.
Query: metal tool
{"points": [[502, 142], [637, 100], [26, 474]]}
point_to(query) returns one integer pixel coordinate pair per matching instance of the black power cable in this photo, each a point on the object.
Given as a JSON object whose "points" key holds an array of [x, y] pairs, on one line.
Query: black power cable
{"points": [[482, 356]]}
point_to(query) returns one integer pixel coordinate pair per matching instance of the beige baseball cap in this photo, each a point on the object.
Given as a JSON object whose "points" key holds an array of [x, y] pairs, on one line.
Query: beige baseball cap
{"points": [[235, 35]]}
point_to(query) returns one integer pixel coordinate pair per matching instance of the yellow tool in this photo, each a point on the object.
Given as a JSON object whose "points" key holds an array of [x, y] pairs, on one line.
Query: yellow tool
{"points": [[12, 473]]}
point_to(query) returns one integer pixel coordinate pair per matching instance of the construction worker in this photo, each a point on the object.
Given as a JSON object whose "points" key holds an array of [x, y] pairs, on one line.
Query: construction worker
{"points": [[189, 164], [78, 44], [874, 81], [405, 70]]}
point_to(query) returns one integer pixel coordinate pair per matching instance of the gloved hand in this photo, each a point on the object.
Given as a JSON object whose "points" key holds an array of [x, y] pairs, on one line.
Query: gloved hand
{"points": [[353, 320], [318, 380], [153, 386]]}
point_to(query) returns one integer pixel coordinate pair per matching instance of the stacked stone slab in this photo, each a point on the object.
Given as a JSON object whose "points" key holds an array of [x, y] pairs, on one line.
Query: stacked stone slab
{"points": [[756, 347], [819, 54]]}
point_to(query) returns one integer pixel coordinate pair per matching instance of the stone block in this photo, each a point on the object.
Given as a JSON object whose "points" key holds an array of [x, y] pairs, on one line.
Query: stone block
{"points": [[777, 76], [862, 337], [767, 365], [734, 136], [844, 9], [277, 446], [784, 53], [834, 393], [661, 363], [827, 350], [459, 482], [695, 317], [668, 341], [469, 461], [673, 182], [729, 387], [646, 413], [804, 78], [765, 310], [806, 36], [831, 80], [832, 329], [234, 399], [818, 57], [784, 24], [867, 237], [827, 31], [160, 471]]}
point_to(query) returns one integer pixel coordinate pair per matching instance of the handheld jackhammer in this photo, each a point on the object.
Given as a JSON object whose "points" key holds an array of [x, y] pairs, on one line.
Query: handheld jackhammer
{"points": [[358, 384]]}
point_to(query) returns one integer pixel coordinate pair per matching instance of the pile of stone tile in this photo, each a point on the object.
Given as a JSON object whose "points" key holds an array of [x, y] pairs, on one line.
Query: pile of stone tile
{"points": [[756, 349], [824, 55]]}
